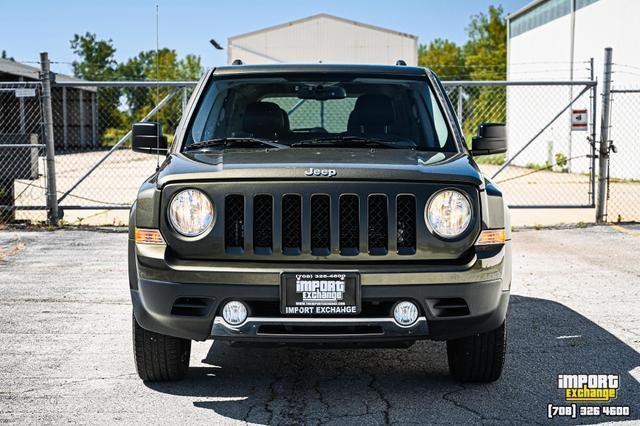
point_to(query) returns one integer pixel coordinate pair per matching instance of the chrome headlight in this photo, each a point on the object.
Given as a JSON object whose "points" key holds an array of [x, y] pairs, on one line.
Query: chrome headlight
{"points": [[448, 213], [191, 213]]}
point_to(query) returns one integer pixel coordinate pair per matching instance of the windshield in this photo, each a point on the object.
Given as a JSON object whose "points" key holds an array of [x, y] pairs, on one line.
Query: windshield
{"points": [[382, 112]]}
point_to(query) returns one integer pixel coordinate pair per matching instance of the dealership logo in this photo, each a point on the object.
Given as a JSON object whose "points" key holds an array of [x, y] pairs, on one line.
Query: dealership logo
{"points": [[584, 395], [321, 172], [321, 290], [589, 387]]}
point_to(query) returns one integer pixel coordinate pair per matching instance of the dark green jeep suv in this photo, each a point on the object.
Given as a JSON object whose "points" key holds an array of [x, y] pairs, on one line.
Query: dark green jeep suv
{"points": [[323, 204]]}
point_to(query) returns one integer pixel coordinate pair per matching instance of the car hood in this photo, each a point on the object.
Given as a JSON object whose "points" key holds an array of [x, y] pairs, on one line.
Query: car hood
{"points": [[291, 164]]}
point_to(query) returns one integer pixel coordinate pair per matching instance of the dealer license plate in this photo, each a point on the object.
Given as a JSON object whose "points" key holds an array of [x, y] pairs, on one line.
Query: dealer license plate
{"points": [[320, 293]]}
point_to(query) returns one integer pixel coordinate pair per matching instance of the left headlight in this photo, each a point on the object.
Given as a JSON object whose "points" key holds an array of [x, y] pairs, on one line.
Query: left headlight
{"points": [[191, 213], [448, 213]]}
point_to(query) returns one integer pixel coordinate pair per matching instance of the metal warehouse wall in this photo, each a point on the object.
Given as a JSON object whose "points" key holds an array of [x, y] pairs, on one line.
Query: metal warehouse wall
{"points": [[323, 39], [543, 53]]}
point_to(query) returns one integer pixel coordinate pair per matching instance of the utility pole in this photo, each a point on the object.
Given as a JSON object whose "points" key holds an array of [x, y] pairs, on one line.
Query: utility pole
{"points": [[52, 192], [603, 163]]}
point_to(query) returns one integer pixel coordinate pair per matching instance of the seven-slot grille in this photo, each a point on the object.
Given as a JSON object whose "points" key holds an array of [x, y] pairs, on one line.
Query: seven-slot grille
{"points": [[342, 224]]}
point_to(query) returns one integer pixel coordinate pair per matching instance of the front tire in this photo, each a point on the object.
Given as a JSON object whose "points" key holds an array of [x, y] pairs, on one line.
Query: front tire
{"points": [[158, 357], [478, 358]]}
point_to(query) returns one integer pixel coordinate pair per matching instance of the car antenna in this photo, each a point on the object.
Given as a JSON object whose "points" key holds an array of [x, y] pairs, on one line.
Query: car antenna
{"points": [[157, 88]]}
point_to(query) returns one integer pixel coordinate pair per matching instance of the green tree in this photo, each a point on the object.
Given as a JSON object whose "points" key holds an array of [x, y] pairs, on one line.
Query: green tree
{"points": [[445, 58], [96, 62], [485, 53], [163, 65], [485, 57], [190, 68], [96, 57], [136, 69], [120, 107]]}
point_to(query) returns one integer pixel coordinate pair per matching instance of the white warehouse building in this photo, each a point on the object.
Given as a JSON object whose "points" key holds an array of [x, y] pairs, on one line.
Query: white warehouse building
{"points": [[555, 40], [323, 38]]}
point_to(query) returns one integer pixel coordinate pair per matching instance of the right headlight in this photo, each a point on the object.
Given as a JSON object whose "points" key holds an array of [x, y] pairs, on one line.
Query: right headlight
{"points": [[191, 213], [448, 213]]}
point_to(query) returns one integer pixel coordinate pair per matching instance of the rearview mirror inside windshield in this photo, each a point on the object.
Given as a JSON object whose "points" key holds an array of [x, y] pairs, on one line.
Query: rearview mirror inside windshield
{"points": [[320, 92]]}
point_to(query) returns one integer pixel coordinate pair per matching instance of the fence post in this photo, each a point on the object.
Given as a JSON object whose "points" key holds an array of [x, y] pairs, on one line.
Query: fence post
{"points": [[460, 105], [594, 125], [52, 197], [184, 100], [603, 163]]}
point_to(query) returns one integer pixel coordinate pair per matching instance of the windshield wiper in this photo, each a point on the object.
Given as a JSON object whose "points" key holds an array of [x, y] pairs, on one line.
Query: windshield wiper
{"points": [[233, 141], [355, 141]]}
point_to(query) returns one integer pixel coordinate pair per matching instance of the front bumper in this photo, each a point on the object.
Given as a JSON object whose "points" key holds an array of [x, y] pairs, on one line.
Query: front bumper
{"points": [[154, 303], [481, 288], [297, 329]]}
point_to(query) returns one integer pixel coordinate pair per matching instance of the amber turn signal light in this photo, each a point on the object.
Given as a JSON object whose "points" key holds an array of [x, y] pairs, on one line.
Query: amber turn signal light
{"points": [[492, 236], [149, 236]]}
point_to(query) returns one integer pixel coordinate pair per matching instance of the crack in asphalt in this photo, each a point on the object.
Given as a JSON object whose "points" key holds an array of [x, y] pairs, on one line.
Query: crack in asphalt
{"points": [[448, 396], [273, 396], [321, 397], [378, 391]]}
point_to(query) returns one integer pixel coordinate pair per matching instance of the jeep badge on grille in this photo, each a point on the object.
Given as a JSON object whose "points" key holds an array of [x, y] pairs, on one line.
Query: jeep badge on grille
{"points": [[320, 172]]}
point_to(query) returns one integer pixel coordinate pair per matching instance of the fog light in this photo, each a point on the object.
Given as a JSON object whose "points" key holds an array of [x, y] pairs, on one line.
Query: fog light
{"points": [[405, 313], [234, 312]]}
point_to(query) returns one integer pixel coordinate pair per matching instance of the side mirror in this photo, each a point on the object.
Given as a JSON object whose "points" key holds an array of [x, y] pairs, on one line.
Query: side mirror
{"points": [[147, 138], [491, 139]]}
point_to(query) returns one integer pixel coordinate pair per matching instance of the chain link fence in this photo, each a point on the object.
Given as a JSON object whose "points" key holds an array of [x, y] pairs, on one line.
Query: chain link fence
{"points": [[22, 151], [623, 193], [548, 164], [97, 173]]}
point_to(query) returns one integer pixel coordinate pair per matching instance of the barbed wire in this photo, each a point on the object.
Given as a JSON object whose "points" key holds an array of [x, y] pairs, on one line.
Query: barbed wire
{"points": [[626, 66], [627, 73], [510, 64]]}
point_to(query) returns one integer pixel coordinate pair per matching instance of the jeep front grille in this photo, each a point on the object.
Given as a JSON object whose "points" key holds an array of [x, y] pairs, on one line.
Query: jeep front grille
{"points": [[291, 224], [349, 225], [378, 226], [406, 229], [234, 223], [321, 224], [263, 223]]}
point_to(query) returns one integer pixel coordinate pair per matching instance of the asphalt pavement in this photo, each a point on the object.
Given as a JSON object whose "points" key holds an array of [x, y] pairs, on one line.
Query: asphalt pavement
{"points": [[65, 345]]}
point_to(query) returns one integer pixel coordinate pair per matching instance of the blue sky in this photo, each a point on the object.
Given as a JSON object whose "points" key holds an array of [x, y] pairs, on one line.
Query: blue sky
{"points": [[32, 26]]}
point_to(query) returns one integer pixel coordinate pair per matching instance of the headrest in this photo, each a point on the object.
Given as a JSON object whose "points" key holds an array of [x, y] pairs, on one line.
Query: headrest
{"points": [[373, 110], [285, 120], [263, 119]]}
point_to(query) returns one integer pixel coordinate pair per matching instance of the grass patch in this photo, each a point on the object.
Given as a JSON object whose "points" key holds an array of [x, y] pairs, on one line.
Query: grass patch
{"points": [[496, 159]]}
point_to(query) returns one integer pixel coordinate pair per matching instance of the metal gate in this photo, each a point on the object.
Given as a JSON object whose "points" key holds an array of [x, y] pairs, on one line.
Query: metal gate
{"points": [[98, 176], [623, 174], [548, 165], [23, 186]]}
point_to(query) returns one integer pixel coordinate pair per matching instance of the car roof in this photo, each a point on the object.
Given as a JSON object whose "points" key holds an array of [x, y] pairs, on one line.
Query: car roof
{"points": [[386, 70]]}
